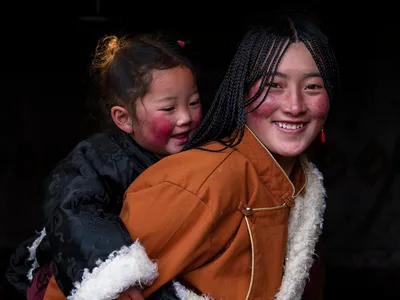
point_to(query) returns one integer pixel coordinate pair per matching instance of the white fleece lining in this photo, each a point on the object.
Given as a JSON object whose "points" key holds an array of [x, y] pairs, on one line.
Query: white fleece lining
{"points": [[124, 268], [184, 293], [32, 253], [305, 226]]}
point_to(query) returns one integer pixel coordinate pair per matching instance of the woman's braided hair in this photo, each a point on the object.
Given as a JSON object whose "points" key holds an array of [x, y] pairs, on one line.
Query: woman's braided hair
{"points": [[258, 57]]}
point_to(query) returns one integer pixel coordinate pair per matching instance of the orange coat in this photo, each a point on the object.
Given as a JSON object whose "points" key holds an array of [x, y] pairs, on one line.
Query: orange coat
{"points": [[228, 224], [219, 221]]}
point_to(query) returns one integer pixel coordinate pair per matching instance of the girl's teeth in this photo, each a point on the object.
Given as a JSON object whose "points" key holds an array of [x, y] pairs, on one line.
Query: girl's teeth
{"points": [[289, 126]]}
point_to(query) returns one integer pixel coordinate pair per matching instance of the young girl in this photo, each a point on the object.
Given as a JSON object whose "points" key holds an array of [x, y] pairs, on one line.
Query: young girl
{"points": [[238, 215], [150, 93]]}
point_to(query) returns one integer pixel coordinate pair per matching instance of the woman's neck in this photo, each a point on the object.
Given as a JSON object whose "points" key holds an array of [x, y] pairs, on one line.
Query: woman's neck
{"points": [[286, 163]]}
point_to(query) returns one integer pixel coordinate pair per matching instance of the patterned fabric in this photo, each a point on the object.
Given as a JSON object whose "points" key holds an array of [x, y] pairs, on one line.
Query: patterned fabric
{"points": [[39, 283], [20, 265], [83, 199]]}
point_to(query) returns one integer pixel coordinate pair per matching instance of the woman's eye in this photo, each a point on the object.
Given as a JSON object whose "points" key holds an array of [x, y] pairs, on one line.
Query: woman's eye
{"points": [[273, 85], [314, 86]]}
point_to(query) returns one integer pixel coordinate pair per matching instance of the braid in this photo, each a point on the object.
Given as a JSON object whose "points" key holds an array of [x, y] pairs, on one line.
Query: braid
{"points": [[268, 75], [257, 58], [324, 58], [226, 114]]}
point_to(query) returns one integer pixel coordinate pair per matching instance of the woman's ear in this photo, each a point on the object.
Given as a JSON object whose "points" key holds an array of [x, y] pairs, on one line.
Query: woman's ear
{"points": [[122, 118]]}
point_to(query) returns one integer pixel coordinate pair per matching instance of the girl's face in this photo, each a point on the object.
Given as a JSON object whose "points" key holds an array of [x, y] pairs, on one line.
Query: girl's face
{"points": [[296, 107], [169, 113]]}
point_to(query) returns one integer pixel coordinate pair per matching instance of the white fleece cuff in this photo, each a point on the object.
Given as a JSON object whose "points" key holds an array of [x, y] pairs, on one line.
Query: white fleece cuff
{"points": [[184, 293], [32, 253], [123, 269]]}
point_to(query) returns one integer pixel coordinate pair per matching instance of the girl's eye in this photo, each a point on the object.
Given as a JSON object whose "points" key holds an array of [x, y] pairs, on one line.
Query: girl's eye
{"points": [[168, 109], [194, 102]]}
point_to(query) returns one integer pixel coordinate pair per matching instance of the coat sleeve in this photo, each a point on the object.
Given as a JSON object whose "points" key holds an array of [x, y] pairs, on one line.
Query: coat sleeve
{"points": [[20, 265], [174, 226], [85, 233]]}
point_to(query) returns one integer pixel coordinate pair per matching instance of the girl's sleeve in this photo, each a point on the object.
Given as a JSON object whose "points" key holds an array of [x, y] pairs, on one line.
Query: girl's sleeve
{"points": [[87, 239]]}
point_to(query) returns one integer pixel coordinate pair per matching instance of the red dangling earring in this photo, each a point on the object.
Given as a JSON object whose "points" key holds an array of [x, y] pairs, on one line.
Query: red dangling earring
{"points": [[323, 136]]}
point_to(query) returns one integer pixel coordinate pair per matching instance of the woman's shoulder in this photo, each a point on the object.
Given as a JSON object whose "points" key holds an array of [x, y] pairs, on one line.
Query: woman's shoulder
{"points": [[192, 169]]}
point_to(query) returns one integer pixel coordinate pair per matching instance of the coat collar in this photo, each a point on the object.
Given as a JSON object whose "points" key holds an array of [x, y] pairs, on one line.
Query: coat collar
{"points": [[281, 187], [305, 227], [305, 218]]}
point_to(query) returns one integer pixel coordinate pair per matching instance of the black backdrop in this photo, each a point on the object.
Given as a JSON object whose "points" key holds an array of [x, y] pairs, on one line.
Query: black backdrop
{"points": [[44, 113]]}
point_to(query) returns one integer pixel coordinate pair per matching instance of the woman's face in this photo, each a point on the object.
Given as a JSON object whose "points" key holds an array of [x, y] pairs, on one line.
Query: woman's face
{"points": [[296, 107]]}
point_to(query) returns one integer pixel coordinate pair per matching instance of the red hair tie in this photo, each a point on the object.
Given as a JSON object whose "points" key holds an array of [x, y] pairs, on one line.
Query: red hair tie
{"points": [[181, 43]]}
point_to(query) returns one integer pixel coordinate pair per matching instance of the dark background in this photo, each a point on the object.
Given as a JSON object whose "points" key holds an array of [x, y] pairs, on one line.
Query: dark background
{"points": [[45, 111]]}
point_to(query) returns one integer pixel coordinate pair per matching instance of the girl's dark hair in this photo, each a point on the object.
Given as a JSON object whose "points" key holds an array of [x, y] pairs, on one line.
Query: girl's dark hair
{"points": [[123, 66], [258, 56]]}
